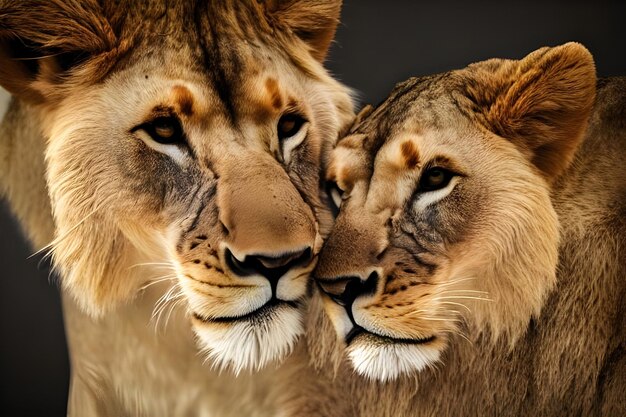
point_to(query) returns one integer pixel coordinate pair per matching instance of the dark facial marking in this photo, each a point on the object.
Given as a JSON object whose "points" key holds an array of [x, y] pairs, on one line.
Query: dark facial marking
{"points": [[184, 98], [410, 154], [272, 89], [220, 61]]}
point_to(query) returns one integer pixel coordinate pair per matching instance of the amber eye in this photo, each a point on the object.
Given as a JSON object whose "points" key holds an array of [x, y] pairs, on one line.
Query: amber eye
{"points": [[288, 125], [164, 129], [435, 179]]}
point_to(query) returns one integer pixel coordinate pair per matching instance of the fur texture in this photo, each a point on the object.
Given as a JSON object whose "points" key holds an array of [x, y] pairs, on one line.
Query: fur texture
{"points": [[500, 291], [146, 150]]}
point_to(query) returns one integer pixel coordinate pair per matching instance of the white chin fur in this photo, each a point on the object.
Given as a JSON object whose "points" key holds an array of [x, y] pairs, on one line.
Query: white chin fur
{"points": [[386, 362], [251, 345]]}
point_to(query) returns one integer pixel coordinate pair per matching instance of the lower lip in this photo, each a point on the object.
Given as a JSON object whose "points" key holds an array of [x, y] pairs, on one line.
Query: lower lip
{"points": [[359, 331], [265, 310]]}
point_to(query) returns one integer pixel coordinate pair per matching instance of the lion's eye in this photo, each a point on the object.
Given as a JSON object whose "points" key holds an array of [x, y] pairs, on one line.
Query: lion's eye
{"points": [[435, 179], [289, 125], [336, 196], [165, 129]]}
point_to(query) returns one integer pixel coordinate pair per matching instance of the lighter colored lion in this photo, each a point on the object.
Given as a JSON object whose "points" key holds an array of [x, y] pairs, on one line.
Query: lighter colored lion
{"points": [[171, 150], [477, 264]]}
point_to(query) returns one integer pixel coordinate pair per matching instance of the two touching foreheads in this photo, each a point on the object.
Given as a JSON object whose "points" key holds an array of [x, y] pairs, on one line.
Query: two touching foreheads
{"points": [[198, 135]]}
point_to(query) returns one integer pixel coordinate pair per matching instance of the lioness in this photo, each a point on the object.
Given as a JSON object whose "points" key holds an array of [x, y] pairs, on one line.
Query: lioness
{"points": [[477, 264], [170, 151]]}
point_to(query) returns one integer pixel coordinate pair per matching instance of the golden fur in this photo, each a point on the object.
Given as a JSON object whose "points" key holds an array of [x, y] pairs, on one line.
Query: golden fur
{"points": [[502, 291], [143, 230]]}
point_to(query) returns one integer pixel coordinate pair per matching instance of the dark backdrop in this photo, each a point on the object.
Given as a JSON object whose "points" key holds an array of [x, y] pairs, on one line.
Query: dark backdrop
{"points": [[378, 44]]}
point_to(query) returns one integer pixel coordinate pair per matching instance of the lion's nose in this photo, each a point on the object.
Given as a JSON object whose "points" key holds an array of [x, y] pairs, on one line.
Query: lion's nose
{"points": [[272, 267], [344, 290]]}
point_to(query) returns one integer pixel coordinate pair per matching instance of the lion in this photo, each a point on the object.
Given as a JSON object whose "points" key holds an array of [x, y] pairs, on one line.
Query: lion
{"points": [[477, 264], [170, 151]]}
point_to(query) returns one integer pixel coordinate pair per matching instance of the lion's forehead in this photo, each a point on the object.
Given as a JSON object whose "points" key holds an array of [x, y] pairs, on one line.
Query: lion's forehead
{"points": [[225, 50], [260, 97], [419, 121], [391, 172]]}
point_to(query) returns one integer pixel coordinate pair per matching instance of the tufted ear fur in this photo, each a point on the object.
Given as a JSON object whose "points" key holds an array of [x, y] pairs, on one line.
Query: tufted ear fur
{"points": [[313, 21], [47, 44], [541, 103]]}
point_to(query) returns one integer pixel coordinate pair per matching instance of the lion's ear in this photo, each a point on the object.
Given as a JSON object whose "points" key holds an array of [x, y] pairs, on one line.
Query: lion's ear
{"points": [[313, 21], [542, 103], [45, 42]]}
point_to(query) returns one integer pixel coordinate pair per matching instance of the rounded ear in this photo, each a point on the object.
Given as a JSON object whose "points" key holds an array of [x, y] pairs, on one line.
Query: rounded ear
{"points": [[313, 21], [541, 103], [44, 42]]}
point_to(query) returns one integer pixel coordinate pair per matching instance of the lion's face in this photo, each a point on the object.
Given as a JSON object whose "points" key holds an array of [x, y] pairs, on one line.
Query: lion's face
{"points": [[200, 156], [445, 222]]}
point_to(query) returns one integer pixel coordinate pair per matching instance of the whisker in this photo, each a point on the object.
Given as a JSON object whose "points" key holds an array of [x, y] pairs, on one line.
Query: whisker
{"points": [[430, 318], [457, 304], [158, 280], [162, 302], [172, 294], [438, 319], [172, 307], [455, 281], [162, 264], [50, 246], [459, 333], [158, 324], [466, 297], [469, 291]]}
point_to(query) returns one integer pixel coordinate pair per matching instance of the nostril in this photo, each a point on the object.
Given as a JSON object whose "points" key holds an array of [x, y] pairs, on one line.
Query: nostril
{"points": [[289, 260], [344, 290], [240, 268], [370, 284], [271, 267], [335, 289]]}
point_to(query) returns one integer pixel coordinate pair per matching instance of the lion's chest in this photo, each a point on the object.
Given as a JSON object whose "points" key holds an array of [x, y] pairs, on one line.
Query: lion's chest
{"points": [[138, 367]]}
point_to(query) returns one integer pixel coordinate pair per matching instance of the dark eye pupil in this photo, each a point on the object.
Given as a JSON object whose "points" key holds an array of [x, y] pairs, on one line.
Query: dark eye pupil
{"points": [[436, 177], [166, 130], [289, 125]]}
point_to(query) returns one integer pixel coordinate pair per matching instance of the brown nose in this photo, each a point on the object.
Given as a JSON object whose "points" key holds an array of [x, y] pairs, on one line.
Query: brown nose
{"points": [[272, 267], [344, 290], [263, 212]]}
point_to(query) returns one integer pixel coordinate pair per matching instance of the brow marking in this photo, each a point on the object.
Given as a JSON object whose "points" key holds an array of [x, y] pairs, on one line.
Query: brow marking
{"points": [[410, 154], [184, 98]]}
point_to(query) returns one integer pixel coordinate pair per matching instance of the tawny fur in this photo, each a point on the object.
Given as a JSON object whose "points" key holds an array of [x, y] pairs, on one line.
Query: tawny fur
{"points": [[528, 333], [137, 229]]}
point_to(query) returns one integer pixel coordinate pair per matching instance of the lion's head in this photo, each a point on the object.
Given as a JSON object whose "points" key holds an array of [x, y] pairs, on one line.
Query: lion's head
{"points": [[186, 135], [445, 211]]}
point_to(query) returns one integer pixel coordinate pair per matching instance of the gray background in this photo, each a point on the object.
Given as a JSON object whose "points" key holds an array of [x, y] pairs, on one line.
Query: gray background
{"points": [[378, 44]]}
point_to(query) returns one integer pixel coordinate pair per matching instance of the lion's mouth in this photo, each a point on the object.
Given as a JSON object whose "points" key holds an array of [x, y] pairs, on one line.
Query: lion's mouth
{"points": [[360, 333], [261, 314], [253, 339]]}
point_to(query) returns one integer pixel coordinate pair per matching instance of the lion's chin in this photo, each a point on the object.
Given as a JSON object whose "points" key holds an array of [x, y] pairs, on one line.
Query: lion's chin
{"points": [[380, 359], [252, 342]]}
